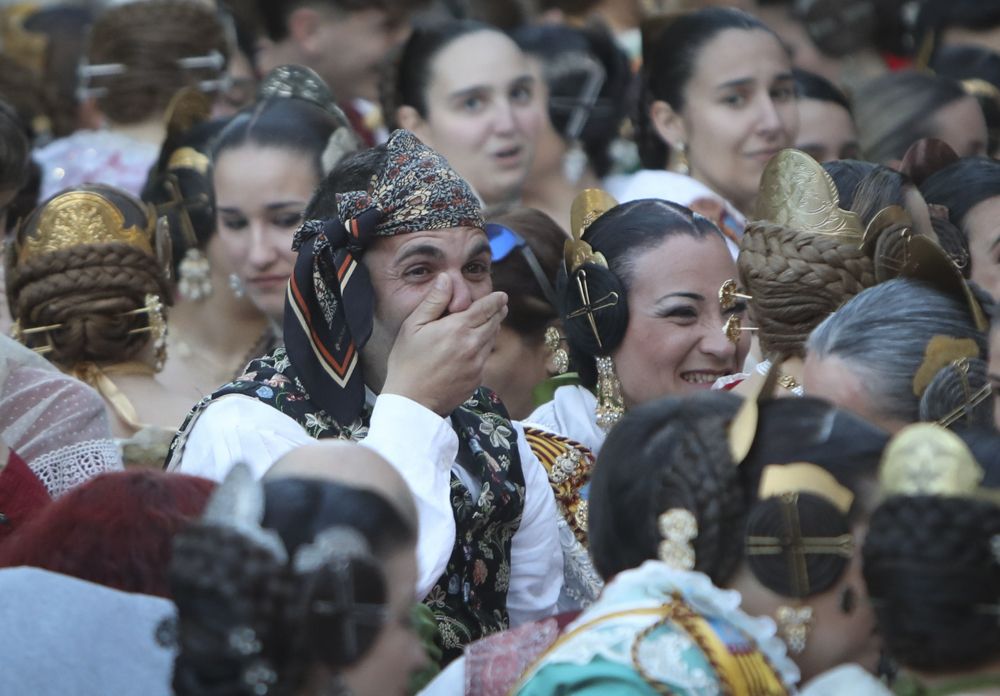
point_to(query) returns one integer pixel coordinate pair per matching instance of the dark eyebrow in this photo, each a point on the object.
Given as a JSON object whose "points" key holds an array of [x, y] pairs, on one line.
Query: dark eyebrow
{"points": [[284, 204], [475, 90], [748, 81], [482, 247], [419, 250]]}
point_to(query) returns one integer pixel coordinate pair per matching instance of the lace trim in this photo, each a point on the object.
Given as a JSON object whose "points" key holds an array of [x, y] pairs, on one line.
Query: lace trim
{"points": [[69, 466], [581, 582]]}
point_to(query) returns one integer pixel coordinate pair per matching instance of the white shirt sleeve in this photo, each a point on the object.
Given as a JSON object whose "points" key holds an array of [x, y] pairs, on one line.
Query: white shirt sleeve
{"points": [[423, 447], [536, 562], [239, 429]]}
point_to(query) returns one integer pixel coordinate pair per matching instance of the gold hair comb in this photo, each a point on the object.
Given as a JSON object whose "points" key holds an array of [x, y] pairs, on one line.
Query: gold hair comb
{"points": [[795, 191], [75, 218], [926, 459]]}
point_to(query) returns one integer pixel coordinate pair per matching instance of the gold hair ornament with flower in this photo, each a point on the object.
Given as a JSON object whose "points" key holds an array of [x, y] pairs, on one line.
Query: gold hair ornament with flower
{"points": [[940, 352], [926, 459]]}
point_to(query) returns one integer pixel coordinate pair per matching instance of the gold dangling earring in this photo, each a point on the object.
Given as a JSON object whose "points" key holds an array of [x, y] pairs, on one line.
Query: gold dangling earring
{"points": [[680, 160], [794, 624], [610, 404], [553, 342], [157, 327]]}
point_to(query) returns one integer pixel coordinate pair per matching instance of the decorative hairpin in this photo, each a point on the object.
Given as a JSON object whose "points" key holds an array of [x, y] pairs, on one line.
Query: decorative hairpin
{"points": [[940, 352], [728, 294], [678, 528], [87, 71], [20, 335], [971, 400], [795, 191], [82, 217], [587, 207], [926, 459], [733, 328]]}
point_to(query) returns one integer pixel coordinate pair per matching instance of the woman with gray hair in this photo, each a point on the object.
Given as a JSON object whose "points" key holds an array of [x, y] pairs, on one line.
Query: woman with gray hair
{"points": [[899, 352]]}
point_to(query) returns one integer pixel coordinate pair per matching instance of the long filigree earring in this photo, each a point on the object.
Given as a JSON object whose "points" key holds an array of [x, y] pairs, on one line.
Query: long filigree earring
{"points": [[794, 625], [610, 404], [559, 356], [194, 276]]}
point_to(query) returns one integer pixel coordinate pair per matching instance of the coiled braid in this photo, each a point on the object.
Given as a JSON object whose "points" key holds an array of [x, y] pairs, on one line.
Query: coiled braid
{"points": [[935, 580], [796, 280]]}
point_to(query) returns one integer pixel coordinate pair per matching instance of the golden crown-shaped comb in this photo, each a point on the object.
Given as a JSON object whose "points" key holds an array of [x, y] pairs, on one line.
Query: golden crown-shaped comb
{"points": [[796, 192], [589, 205], [926, 459], [76, 218]]}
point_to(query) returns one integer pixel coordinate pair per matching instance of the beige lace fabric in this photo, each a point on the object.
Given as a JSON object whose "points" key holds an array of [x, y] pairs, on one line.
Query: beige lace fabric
{"points": [[56, 424]]}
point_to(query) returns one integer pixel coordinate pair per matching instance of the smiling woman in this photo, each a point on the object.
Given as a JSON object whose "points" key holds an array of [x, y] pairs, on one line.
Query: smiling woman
{"points": [[645, 324], [466, 90]]}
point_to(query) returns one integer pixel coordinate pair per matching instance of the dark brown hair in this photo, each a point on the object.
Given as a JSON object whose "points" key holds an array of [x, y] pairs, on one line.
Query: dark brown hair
{"points": [[149, 38], [87, 289]]}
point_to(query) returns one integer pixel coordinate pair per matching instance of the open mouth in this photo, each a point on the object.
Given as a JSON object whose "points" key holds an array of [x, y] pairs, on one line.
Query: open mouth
{"points": [[703, 377], [509, 155]]}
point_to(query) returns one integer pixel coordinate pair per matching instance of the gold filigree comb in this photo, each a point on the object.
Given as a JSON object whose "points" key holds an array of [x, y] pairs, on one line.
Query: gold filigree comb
{"points": [[796, 192], [76, 218], [589, 205]]}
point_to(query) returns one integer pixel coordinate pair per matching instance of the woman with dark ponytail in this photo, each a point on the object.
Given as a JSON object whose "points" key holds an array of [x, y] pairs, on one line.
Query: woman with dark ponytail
{"points": [[718, 101]]}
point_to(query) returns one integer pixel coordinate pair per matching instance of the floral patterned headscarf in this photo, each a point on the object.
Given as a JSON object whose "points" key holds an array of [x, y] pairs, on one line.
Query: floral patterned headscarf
{"points": [[329, 307]]}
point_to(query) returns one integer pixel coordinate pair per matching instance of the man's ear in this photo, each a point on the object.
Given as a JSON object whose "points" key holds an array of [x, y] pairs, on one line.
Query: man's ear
{"points": [[303, 29], [668, 124]]}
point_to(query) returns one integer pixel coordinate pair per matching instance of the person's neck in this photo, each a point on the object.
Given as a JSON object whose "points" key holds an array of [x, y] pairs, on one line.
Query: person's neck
{"points": [[553, 194], [151, 131], [221, 325]]}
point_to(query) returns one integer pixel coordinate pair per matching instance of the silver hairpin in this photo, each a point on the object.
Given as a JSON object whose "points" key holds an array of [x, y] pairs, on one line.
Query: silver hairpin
{"points": [[330, 545], [213, 60], [238, 503]]}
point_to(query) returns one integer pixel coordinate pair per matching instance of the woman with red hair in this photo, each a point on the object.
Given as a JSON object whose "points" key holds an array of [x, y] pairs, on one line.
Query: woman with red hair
{"points": [[115, 530]]}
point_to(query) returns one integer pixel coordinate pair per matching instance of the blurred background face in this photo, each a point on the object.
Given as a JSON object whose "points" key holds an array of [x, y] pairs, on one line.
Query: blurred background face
{"points": [[982, 229], [260, 195], [740, 111], [826, 131], [962, 125], [483, 113]]}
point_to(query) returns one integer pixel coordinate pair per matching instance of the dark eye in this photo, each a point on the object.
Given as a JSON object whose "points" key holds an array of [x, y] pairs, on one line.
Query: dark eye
{"points": [[522, 94], [683, 313], [738, 308], [477, 268], [288, 219], [473, 104], [734, 100], [234, 222], [783, 94], [417, 272]]}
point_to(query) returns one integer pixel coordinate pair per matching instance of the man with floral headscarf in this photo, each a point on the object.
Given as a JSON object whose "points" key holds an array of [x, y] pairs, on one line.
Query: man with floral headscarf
{"points": [[389, 319]]}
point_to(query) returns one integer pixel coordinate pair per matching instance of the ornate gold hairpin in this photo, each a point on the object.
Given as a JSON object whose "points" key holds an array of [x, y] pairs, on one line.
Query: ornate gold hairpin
{"points": [[678, 527], [795, 191], [75, 218], [188, 158], [20, 335], [157, 326], [926, 459], [940, 351], [971, 400], [587, 207], [728, 294], [733, 328]]}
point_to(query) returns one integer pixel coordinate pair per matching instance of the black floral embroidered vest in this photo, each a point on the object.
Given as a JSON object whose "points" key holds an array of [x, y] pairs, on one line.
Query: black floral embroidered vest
{"points": [[469, 601]]}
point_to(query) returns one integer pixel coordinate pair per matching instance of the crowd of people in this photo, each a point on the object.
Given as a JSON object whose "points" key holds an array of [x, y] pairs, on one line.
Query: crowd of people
{"points": [[482, 347]]}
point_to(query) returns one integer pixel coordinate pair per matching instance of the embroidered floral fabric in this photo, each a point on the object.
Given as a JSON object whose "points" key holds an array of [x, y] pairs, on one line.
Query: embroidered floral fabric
{"points": [[596, 651], [469, 601]]}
